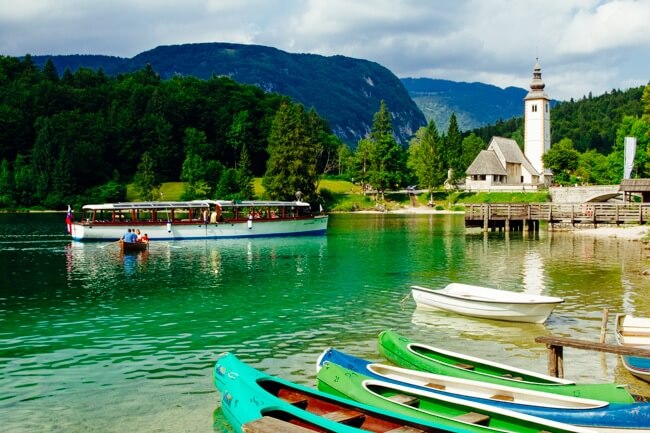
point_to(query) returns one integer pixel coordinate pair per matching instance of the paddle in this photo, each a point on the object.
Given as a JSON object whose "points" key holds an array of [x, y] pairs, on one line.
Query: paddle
{"points": [[110, 243]]}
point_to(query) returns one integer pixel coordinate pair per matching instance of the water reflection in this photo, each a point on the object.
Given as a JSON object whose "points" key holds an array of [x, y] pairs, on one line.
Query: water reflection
{"points": [[449, 325]]}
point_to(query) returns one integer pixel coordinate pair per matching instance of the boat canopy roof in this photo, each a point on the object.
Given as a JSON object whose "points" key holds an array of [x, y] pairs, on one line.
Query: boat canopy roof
{"points": [[191, 204]]}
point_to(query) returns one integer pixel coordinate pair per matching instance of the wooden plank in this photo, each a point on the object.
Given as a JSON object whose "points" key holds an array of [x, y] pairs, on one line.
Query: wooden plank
{"points": [[502, 397], [268, 424], [474, 418], [551, 340], [408, 400], [294, 398], [345, 416], [405, 429]]}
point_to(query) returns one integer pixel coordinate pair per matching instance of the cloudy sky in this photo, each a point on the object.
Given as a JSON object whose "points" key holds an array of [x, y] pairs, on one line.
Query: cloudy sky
{"points": [[583, 45]]}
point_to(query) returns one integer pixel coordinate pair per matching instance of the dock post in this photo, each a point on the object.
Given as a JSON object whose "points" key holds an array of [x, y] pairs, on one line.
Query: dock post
{"points": [[555, 360]]}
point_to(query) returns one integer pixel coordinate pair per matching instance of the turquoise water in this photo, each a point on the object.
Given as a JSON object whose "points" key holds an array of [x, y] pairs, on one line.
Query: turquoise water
{"points": [[91, 340]]}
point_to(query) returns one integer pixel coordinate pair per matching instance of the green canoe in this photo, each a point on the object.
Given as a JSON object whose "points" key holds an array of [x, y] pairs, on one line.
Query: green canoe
{"points": [[433, 407], [405, 353], [252, 400]]}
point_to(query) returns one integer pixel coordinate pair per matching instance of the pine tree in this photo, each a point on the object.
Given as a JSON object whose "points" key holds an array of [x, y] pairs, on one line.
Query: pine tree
{"points": [[292, 155], [388, 159]]}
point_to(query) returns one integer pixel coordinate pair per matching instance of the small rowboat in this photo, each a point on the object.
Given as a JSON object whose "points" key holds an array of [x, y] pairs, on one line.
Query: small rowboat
{"points": [[253, 401], [477, 301], [133, 247], [405, 353], [596, 414], [433, 407], [634, 331]]}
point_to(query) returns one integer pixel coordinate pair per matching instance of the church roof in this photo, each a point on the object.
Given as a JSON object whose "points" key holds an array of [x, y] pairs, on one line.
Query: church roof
{"points": [[486, 162], [537, 85], [634, 185], [511, 153]]}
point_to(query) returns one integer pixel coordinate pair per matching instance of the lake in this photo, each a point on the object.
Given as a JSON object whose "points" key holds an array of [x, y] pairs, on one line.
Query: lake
{"points": [[91, 340]]}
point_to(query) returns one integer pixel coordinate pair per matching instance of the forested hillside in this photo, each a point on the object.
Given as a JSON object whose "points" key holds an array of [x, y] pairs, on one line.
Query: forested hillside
{"points": [[344, 91], [475, 104], [82, 137]]}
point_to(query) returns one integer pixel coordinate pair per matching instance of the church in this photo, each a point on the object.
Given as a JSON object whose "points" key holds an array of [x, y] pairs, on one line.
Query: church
{"points": [[503, 166]]}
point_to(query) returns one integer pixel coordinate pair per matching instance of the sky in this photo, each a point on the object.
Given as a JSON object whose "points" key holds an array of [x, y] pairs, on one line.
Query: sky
{"points": [[582, 45]]}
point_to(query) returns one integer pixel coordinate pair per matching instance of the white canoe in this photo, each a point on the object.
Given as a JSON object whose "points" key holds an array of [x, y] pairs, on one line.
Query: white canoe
{"points": [[634, 331], [488, 303]]}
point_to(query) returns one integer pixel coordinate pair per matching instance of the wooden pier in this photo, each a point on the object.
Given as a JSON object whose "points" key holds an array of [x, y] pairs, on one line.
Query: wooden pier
{"points": [[555, 346], [527, 216]]}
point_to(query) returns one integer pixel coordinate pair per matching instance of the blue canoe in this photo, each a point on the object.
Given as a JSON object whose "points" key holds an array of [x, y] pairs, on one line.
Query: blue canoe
{"points": [[599, 415]]}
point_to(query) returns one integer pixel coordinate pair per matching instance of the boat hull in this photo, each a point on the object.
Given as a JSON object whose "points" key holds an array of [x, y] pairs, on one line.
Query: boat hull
{"points": [[594, 414], [634, 331], [428, 406], [170, 232], [405, 353], [249, 395], [488, 303]]}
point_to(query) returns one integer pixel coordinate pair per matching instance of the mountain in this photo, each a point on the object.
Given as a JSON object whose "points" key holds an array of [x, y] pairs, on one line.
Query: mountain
{"points": [[475, 104], [345, 91]]}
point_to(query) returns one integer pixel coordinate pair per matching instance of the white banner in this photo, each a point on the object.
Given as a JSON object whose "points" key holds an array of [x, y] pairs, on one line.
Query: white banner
{"points": [[630, 151]]}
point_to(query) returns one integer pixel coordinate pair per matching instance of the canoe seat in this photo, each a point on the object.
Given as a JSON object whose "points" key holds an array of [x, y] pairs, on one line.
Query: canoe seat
{"points": [[464, 366], [268, 424], [405, 429], [474, 418], [502, 397], [345, 416], [510, 376], [435, 385], [294, 398], [408, 400]]}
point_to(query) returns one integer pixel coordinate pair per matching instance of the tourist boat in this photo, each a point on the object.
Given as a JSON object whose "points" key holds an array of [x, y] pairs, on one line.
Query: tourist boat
{"points": [[200, 219], [255, 401], [403, 352], [596, 414], [441, 409], [634, 331], [133, 247], [478, 301]]}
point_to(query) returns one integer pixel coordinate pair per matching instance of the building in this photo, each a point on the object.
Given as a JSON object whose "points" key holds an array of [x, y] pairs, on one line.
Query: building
{"points": [[503, 165]]}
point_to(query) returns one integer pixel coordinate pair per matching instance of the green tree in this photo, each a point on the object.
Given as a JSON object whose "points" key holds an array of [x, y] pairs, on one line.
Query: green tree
{"points": [[6, 185], [425, 158], [292, 155], [361, 161], [472, 146], [240, 133], [387, 162], [562, 159], [454, 150], [593, 168], [145, 180]]}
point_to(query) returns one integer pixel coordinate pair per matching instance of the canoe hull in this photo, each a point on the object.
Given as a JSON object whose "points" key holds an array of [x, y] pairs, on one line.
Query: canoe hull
{"points": [[594, 414], [248, 395], [405, 353], [634, 331], [445, 410], [484, 302]]}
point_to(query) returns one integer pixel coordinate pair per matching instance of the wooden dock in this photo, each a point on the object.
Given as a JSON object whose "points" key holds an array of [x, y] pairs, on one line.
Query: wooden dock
{"points": [[555, 346], [527, 216]]}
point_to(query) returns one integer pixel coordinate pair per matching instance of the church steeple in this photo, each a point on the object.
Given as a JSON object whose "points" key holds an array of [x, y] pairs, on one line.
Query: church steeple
{"points": [[537, 124], [537, 85]]}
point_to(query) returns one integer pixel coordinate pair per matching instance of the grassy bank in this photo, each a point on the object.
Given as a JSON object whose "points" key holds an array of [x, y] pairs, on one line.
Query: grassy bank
{"points": [[344, 196]]}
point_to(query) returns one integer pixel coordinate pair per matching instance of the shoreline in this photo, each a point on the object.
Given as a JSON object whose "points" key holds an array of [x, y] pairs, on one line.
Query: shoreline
{"points": [[630, 232]]}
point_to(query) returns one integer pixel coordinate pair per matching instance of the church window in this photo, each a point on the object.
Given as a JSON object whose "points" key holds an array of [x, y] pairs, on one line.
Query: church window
{"points": [[546, 106], [534, 107]]}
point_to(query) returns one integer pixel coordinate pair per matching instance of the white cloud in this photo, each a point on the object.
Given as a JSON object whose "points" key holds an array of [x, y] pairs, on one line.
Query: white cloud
{"points": [[583, 45]]}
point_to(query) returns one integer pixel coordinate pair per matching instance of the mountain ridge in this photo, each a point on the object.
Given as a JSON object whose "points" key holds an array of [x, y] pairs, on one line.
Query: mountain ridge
{"points": [[345, 91]]}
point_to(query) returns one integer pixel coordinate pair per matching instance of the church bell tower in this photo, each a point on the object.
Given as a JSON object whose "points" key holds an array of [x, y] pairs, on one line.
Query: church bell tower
{"points": [[537, 124]]}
